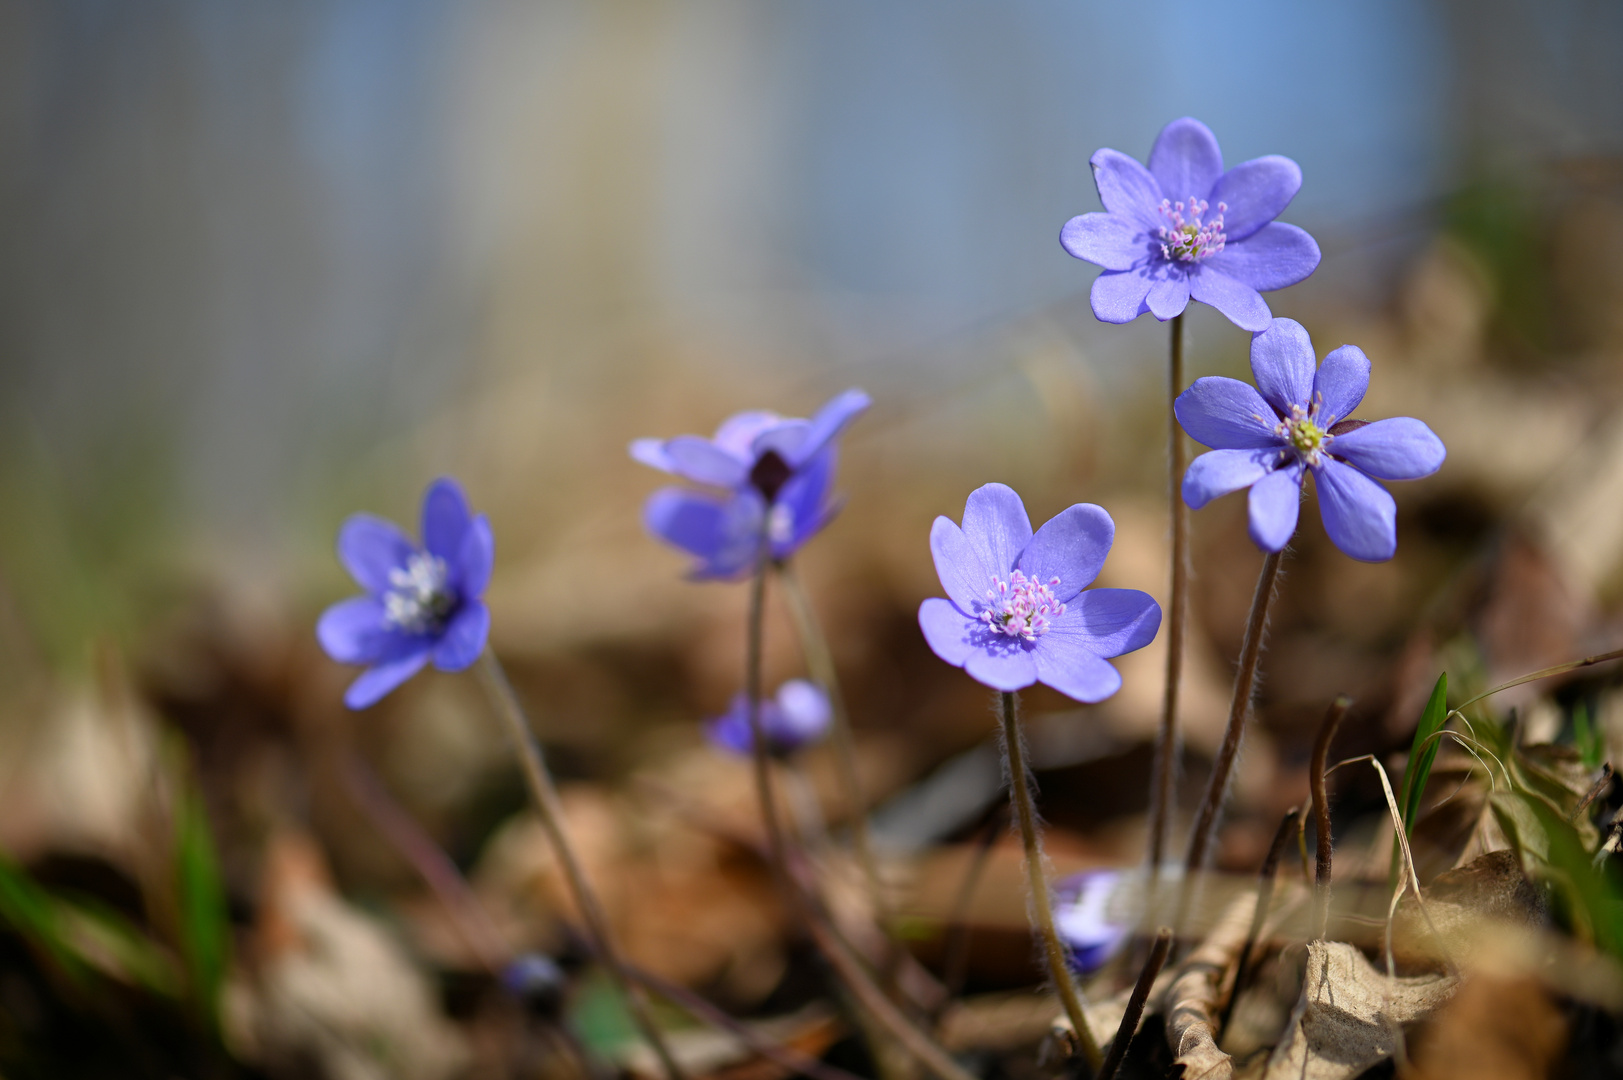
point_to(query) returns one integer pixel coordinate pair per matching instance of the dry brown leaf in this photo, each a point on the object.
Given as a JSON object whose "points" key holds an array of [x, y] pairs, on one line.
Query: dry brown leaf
{"points": [[1348, 1016], [1192, 998], [1493, 1029], [1491, 888]]}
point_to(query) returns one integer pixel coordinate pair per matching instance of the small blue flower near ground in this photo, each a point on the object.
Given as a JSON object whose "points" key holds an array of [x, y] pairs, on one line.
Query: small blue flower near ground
{"points": [[1081, 909], [1184, 229], [422, 603], [798, 716], [1296, 422], [770, 470], [1016, 612]]}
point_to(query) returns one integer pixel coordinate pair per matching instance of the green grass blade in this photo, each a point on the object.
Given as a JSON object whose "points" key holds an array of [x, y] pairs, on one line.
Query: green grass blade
{"points": [[205, 927], [1423, 753]]}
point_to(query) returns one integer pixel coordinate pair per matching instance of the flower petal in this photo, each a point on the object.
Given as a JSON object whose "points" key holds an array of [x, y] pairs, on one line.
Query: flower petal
{"points": [[1002, 662], [1358, 513], [1226, 414], [997, 527], [1185, 160], [353, 631], [731, 730], [1341, 382], [1109, 621], [464, 638], [1118, 297], [739, 431], [370, 547], [1071, 546], [1401, 448], [476, 557], [1070, 667], [1256, 192], [1273, 257], [951, 634], [1169, 294], [378, 681], [722, 532], [804, 713], [1113, 241], [445, 519], [651, 452], [830, 420], [1274, 505], [963, 574], [1240, 303], [1218, 472], [801, 508], [1282, 363], [1127, 188], [703, 462]]}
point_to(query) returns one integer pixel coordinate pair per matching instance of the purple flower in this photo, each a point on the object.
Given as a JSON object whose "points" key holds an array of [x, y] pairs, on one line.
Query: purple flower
{"points": [[1184, 229], [799, 716], [1016, 613], [1297, 424], [769, 467], [421, 603], [1081, 910]]}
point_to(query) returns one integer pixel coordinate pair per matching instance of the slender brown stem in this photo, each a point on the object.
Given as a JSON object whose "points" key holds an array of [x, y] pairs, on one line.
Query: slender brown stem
{"points": [[1265, 895], [1135, 1002], [547, 802], [1321, 814], [820, 662], [1595, 791], [1163, 778], [1245, 678], [760, 754], [1037, 882], [1545, 673]]}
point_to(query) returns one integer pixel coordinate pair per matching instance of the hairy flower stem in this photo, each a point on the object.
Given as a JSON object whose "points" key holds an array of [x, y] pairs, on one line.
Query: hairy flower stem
{"points": [[820, 662], [545, 793], [1135, 1002], [776, 844], [1037, 881], [1163, 775], [1245, 679], [1321, 814]]}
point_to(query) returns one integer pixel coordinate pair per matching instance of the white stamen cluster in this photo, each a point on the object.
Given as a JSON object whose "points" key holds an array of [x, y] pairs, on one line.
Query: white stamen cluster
{"points": [[1021, 607], [419, 599], [1307, 433], [1186, 236]]}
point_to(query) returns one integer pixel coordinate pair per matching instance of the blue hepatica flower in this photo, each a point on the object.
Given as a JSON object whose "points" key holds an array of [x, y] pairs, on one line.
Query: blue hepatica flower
{"points": [[422, 603], [1016, 612], [1183, 229], [1296, 422], [1081, 917], [797, 717], [767, 467]]}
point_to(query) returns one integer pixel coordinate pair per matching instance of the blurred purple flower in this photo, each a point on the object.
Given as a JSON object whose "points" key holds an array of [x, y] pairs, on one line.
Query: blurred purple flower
{"points": [[421, 603], [1016, 613], [1081, 908], [1270, 441], [779, 468], [797, 717], [1184, 229]]}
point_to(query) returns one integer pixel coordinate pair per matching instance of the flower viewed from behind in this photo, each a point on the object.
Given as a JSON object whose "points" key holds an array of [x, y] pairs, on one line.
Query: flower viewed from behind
{"points": [[773, 474], [1296, 422], [1016, 612], [1185, 229], [797, 717], [422, 603], [1081, 916]]}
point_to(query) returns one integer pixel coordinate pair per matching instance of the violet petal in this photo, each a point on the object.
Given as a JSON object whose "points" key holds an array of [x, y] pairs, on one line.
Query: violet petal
{"points": [[464, 638], [1185, 160], [375, 682], [1240, 303], [1401, 448], [1358, 513], [1226, 414], [1273, 507], [1274, 257], [997, 527], [370, 548], [1341, 382], [1071, 546], [1109, 621], [1118, 296], [445, 520], [1127, 188], [1282, 362], [1112, 241], [951, 634], [1256, 192], [1069, 666]]}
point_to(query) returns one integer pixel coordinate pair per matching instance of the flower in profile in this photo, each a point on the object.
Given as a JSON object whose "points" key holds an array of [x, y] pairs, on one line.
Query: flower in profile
{"points": [[1016, 612], [1081, 917], [1185, 229], [774, 474], [1296, 422], [797, 717], [422, 603]]}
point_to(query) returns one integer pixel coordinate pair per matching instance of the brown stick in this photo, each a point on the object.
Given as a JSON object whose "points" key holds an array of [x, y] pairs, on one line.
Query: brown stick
{"points": [[1163, 777], [1265, 896], [1321, 814], [1135, 1004]]}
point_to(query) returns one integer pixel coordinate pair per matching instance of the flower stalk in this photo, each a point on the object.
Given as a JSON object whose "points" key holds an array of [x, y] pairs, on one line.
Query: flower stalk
{"points": [[1165, 769], [1245, 680], [1321, 814], [545, 793], [1042, 905]]}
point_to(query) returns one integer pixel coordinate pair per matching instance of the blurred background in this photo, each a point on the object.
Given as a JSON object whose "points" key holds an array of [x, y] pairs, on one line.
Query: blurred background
{"points": [[262, 265]]}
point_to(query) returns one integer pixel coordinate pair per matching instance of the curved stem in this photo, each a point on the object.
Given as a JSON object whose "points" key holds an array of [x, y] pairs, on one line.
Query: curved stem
{"points": [[1165, 769], [1245, 679], [545, 793], [759, 752], [1042, 906], [1321, 814]]}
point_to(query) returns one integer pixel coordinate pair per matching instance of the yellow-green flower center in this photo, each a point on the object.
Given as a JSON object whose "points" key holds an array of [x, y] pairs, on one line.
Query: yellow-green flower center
{"points": [[1306, 432]]}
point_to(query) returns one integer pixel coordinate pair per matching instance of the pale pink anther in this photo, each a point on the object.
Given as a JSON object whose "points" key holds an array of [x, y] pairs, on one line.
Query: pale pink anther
{"points": [[1021, 607], [1187, 236]]}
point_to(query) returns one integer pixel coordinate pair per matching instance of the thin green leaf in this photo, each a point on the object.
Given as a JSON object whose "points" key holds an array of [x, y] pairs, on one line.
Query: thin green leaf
{"points": [[205, 927], [29, 910], [1591, 747], [1423, 753]]}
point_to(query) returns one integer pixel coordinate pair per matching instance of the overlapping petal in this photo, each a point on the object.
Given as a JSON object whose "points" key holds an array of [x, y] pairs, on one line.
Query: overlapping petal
{"points": [[1226, 414], [1255, 192], [1273, 507], [464, 637], [703, 462], [1113, 241], [963, 573], [1218, 472], [1169, 293], [1069, 666], [1127, 188], [1071, 546], [1401, 448], [1239, 302], [370, 548], [1358, 513], [352, 631], [1005, 664], [951, 634], [445, 520], [1274, 257], [1341, 382], [1185, 160], [1108, 622], [476, 557], [375, 682], [1119, 297], [997, 526], [1282, 362]]}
